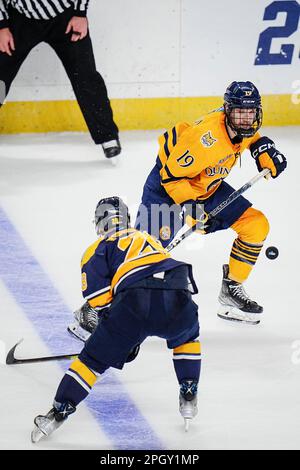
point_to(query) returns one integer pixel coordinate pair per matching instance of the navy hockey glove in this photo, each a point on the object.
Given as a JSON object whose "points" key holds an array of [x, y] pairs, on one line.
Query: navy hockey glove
{"points": [[266, 156], [196, 217]]}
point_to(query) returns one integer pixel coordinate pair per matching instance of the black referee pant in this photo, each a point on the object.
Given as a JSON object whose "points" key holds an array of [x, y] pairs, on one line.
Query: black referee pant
{"points": [[78, 61]]}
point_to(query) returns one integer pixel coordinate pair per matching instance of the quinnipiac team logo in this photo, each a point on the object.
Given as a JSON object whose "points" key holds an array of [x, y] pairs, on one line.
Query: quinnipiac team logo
{"points": [[207, 139]]}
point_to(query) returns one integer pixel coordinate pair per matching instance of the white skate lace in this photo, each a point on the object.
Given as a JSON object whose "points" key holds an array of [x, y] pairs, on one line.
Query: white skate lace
{"points": [[239, 291]]}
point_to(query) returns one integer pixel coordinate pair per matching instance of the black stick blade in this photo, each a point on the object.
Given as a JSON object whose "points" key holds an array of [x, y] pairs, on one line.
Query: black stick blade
{"points": [[10, 358]]}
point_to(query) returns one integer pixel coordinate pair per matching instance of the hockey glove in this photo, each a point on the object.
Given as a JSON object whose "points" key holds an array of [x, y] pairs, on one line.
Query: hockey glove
{"points": [[197, 218], [86, 321], [266, 156], [88, 317]]}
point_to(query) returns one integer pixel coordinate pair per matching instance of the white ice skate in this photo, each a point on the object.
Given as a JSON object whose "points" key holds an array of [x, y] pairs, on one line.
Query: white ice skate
{"points": [[188, 410], [44, 426], [235, 304], [227, 312], [188, 402]]}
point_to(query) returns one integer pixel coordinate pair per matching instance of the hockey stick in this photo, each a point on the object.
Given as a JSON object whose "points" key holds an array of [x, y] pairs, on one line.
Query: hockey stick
{"points": [[11, 359], [186, 232]]}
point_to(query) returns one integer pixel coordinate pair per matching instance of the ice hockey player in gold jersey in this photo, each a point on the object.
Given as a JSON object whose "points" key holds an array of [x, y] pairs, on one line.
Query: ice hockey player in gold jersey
{"points": [[188, 181]]}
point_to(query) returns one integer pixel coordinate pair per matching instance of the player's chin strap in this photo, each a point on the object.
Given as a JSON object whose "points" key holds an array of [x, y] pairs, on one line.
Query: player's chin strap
{"points": [[186, 230]]}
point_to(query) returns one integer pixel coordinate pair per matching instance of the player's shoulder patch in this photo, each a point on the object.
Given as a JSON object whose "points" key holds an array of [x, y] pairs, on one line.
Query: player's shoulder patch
{"points": [[207, 139], [165, 233]]}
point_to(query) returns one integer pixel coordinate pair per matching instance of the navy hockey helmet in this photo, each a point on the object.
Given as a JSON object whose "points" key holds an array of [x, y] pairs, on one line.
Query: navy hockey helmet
{"points": [[243, 95], [111, 215]]}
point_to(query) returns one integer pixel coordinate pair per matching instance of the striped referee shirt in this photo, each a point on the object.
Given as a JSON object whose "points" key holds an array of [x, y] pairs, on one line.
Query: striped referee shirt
{"points": [[41, 9]]}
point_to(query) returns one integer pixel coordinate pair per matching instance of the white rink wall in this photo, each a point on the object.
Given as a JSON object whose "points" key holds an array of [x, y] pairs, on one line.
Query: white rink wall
{"points": [[178, 48]]}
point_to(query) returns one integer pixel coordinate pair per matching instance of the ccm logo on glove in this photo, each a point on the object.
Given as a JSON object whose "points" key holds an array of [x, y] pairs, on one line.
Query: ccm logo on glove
{"points": [[262, 148], [266, 156]]}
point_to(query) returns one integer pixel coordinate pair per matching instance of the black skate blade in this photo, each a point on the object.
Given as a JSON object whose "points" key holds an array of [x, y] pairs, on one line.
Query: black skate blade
{"points": [[237, 320]]}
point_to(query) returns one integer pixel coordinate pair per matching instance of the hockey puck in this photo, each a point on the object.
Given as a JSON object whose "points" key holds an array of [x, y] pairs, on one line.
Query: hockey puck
{"points": [[272, 252]]}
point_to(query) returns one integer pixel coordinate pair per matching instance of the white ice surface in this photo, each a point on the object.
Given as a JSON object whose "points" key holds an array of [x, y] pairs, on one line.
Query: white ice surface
{"points": [[250, 383]]}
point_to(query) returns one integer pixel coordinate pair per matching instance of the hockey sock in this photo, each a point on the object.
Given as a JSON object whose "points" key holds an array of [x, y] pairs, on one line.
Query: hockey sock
{"points": [[76, 383], [187, 361], [243, 257], [252, 229]]}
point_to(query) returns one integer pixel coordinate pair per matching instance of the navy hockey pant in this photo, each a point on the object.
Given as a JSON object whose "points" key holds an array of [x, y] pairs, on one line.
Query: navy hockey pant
{"points": [[135, 314], [155, 217]]}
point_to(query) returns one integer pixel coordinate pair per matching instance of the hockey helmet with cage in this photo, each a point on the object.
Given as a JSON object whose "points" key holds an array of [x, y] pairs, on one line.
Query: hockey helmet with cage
{"points": [[243, 95], [111, 215]]}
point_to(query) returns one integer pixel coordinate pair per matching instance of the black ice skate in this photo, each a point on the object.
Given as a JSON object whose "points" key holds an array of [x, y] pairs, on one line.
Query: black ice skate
{"points": [[86, 321], [188, 401], [236, 305], [44, 425], [112, 149]]}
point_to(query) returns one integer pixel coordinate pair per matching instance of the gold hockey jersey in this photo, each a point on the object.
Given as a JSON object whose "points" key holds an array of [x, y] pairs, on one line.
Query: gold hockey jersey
{"points": [[196, 158]]}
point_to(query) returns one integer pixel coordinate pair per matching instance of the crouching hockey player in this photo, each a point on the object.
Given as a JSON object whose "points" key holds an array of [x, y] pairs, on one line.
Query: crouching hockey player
{"points": [[133, 289]]}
